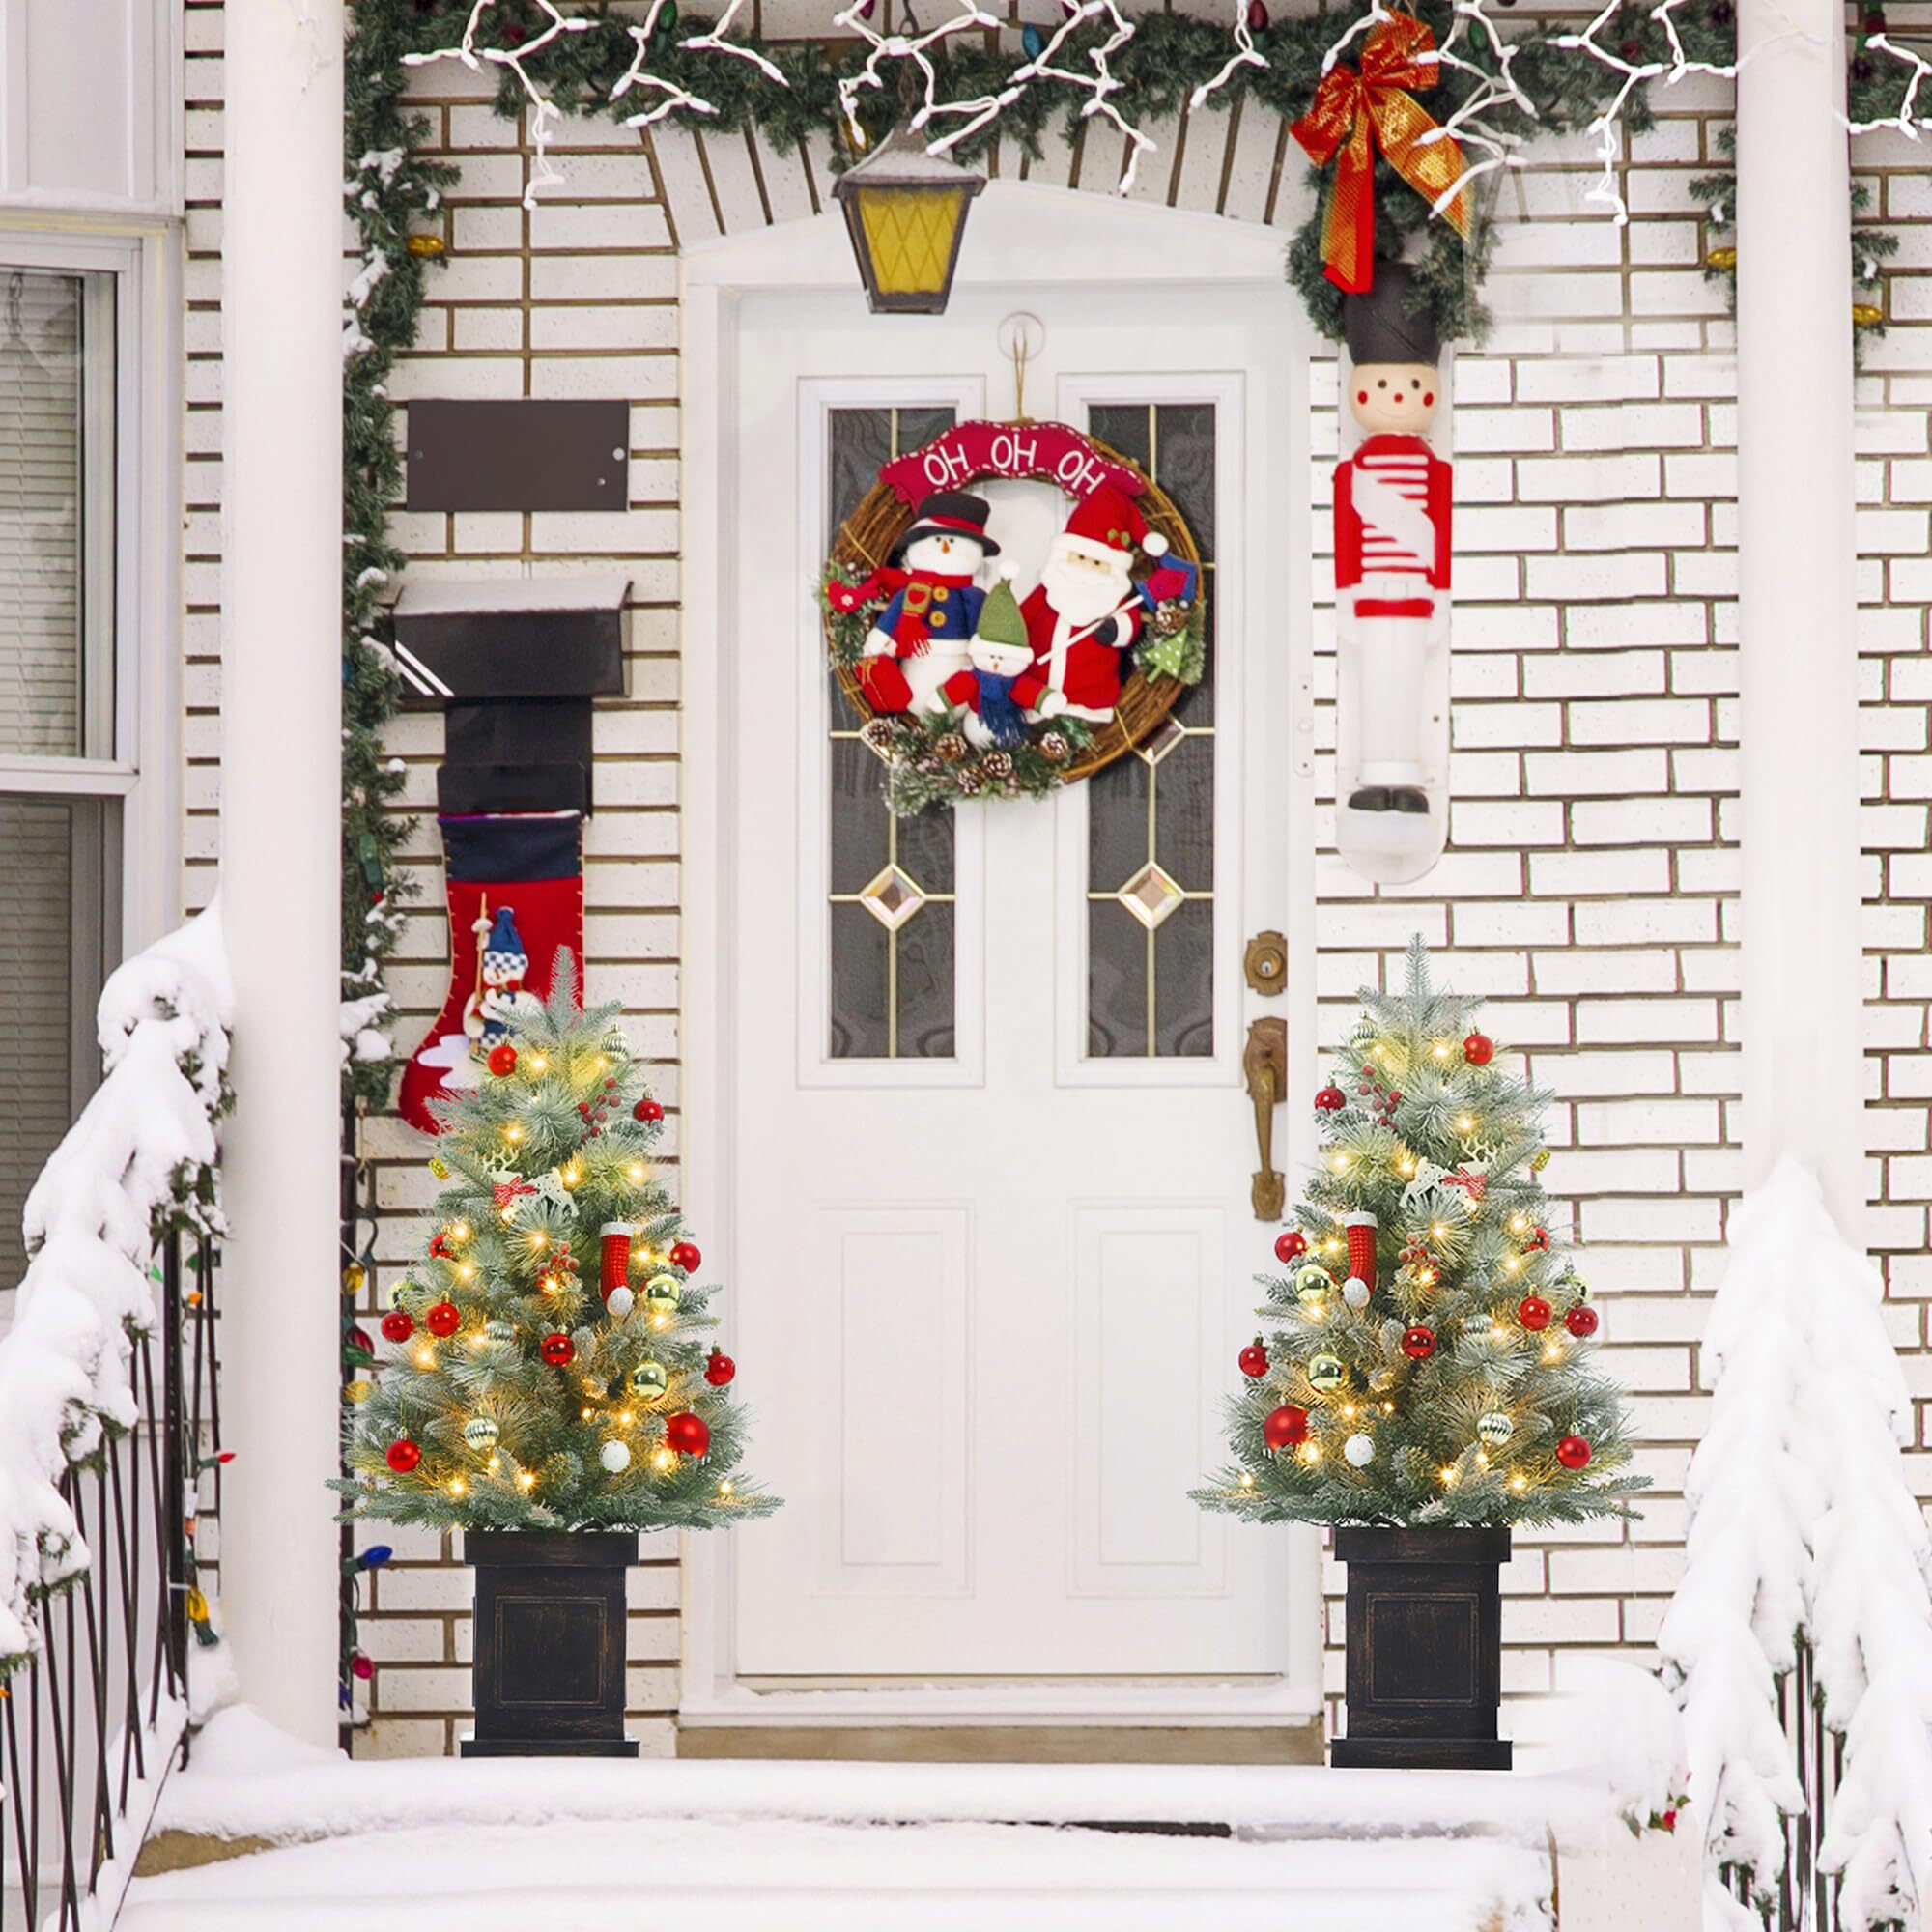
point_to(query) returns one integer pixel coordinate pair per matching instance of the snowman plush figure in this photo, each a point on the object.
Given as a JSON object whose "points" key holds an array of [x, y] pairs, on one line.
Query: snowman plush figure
{"points": [[1000, 684], [921, 636]]}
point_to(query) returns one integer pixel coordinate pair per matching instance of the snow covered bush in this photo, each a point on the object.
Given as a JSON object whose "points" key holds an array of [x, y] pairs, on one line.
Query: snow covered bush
{"points": [[138, 1163], [1803, 1530]]}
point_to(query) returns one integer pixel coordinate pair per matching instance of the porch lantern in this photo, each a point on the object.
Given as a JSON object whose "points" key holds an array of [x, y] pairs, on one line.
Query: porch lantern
{"points": [[906, 210]]}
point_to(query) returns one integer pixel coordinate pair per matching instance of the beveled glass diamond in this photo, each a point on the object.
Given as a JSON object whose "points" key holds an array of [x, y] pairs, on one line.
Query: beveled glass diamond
{"points": [[1150, 895], [891, 898]]}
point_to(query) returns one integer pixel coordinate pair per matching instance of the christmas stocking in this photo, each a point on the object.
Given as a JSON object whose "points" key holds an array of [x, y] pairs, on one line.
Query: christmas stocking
{"points": [[515, 887]]}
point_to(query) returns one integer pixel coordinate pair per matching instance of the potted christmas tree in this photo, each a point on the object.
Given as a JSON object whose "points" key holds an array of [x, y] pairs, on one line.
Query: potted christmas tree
{"points": [[1425, 1383], [548, 1393]]}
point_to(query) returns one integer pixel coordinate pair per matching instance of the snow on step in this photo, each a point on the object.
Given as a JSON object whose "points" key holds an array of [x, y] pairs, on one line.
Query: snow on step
{"points": [[780, 1875]]}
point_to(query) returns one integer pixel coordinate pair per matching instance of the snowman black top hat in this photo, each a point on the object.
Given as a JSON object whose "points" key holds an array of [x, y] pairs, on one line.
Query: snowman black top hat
{"points": [[952, 513], [1382, 326]]}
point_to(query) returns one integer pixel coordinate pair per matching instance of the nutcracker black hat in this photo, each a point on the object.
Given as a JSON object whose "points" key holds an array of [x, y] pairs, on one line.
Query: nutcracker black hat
{"points": [[1384, 327], [952, 513]]}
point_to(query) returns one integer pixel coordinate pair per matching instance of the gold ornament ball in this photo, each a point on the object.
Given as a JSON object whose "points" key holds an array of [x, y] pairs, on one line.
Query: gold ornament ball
{"points": [[480, 1432], [352, 1278], [359, 1391], [660, 1295], [1313, 1285], [649, 1380], [422, 246], [1326, 1374], [1495, 1429]]}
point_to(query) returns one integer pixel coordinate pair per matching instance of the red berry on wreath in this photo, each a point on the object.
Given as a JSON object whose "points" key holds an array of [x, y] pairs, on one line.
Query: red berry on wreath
{"points": [[1573, 1452], [558, 1350], [1581, 1321], [719, 1368], [445, 1319], [1479, 1049], [685, 1255], [1332, 1099], [647, 1110], [402, 1455], [1418, 1343], [687, 1434], [1253, 1360], [502, 1058], [1533, 1311], [1290, 1246], [398, 1326], [1286, 1426]]}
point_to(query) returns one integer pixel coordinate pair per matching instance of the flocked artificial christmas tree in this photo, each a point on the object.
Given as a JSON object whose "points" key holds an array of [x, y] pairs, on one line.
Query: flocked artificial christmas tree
{"points": [[548, 1372], [1428, 1357]]}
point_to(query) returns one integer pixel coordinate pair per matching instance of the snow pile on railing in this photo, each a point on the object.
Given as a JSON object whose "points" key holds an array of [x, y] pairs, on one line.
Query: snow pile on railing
{"points": [[1803, 1523], [139, 1160]]}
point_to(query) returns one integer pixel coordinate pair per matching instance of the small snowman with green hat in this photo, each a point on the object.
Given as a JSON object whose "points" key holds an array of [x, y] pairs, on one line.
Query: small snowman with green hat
{"points": [[1001, 683]]}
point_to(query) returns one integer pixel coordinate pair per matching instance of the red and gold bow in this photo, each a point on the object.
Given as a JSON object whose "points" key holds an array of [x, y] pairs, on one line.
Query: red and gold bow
{"points": [[1355, 113]]}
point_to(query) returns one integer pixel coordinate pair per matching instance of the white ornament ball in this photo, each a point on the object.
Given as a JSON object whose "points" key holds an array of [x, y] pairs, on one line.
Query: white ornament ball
{"points": [[480, 1432], [615, 1457], [1360, 1450], [1355, 1291], [620, 1301], [1495, 1429]]}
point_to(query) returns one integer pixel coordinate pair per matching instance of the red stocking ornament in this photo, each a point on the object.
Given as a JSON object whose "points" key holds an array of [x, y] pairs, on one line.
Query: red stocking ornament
{"points": [[1361, 1231]]}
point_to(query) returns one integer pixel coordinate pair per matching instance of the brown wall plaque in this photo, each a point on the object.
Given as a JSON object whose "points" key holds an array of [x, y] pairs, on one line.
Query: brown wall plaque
{"points": [[519, 455]]}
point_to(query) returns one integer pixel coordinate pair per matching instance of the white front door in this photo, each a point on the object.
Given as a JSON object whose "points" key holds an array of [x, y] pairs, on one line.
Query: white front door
{"points": [[991, 1239]]}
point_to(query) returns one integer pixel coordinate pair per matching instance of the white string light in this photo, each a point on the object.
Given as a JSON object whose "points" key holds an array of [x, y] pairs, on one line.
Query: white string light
{"points": [[544, 111], [636, 75], [907, 48], [1245, 54], [1903, 120], [1604, 127], [1499, 88], [715, 42]]}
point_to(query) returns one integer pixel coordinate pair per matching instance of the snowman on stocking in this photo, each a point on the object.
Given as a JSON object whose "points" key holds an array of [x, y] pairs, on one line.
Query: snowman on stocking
{"points": [[500, 981], [921, 637]]}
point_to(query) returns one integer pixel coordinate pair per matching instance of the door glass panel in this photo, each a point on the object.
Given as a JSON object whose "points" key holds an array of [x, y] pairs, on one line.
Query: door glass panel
{"points": [[891, 879], [1150, 816]]}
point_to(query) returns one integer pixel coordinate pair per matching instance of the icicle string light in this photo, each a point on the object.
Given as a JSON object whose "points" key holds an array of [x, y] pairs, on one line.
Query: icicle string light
{"points": [[638, 76], [911, 47], [1904, 120], [1245, 54]]}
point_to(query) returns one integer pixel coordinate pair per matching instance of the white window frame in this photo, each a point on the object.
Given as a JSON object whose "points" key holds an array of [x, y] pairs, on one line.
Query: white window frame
{"points": [[143, 770]]}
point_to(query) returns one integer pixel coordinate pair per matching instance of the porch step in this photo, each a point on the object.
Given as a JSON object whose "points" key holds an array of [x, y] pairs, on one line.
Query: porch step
{"points": [[775, 1875]]}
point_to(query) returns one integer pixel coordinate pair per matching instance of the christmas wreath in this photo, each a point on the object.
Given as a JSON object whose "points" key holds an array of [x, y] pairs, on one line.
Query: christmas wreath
{"points": [[969, 689]]}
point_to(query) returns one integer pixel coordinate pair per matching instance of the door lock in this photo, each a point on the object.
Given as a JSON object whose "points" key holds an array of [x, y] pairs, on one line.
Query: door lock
{"points": [[1267, 963], [1265, 1061]]}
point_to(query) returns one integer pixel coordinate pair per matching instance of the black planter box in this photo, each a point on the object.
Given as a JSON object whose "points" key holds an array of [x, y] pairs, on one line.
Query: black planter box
{"points": [[549, 1642], [1425, 1648]]}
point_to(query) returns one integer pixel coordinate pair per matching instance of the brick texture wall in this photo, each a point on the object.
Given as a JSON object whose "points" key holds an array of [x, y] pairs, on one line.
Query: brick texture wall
{"points": [[1589, 889]]}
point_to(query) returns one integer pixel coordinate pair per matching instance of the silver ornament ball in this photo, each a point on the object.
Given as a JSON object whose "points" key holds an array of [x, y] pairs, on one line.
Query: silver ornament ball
{"points": [[1495, 1429]]}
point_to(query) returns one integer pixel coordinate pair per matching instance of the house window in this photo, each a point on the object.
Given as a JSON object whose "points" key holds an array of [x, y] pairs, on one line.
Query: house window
{"points": [[63, 780]]}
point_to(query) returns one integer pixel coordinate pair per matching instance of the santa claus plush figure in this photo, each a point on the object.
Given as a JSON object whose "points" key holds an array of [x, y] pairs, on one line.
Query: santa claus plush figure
{"points": [[921, 636], [1392, 500], [1086, 611]]}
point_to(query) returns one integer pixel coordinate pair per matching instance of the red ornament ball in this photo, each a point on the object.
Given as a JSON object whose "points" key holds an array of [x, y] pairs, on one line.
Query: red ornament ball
{"points": [[398, 1326], [558, 1350], [1286, 1426], [1418, 1343], [685, 1255], [1332, 1099], [719, 1368], [1253, 1360], [1533, 1311], [1479, 1049], [502, 1060], [1581, 1321], [687, 1434], [647, 1110], [1291, 1247], [1573, 1452], [363, 1667], [445, 1319], [403, 1455]]}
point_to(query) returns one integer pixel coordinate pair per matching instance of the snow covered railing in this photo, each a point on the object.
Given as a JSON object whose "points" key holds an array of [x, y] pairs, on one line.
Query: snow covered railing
{"points": [[1799, 1641], [107, 1411]]}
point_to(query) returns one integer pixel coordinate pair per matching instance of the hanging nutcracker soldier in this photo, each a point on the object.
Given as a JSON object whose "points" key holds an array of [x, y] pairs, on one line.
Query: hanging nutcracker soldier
{"points": [[1392, 545], [921, 636]]}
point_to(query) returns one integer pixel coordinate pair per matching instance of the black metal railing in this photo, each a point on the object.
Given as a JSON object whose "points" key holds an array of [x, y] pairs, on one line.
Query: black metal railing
{"points": [[90, 1725], [1802, 1898]]}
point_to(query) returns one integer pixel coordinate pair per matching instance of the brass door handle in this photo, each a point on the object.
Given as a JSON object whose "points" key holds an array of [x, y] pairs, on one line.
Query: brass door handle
{"points": [[1265, 1061]]}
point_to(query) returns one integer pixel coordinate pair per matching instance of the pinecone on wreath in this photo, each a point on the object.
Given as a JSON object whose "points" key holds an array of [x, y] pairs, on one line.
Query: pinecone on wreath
{"points": [[972, 780], [1054, 747], [877, 735], [950, 747], [996, 764]]}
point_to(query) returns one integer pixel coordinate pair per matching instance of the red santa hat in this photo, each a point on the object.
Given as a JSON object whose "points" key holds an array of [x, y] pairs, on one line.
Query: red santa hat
{"points": [[1108, 526]]}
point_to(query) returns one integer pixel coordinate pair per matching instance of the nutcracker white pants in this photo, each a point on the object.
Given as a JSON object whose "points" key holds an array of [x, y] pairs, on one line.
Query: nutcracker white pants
{"points": [[1390, 655]]}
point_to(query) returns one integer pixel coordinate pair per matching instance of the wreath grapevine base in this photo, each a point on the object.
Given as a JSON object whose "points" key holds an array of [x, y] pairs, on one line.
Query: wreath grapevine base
{"points": [[928, 758]]}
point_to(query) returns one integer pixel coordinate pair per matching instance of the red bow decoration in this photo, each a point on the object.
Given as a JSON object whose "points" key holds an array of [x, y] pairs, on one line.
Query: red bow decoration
{"points": [[846, 598], [503, 1192], [1355, 113], [1477, 1185]]}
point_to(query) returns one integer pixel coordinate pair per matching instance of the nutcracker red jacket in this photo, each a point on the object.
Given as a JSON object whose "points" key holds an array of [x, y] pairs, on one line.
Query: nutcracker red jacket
{"points": [[1392, 512]]}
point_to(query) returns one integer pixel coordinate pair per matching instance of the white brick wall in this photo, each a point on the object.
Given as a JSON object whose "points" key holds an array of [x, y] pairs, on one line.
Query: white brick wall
{"points": [[1590, 883]]}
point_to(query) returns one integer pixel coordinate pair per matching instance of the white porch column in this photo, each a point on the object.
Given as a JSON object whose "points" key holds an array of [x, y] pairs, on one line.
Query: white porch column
{"points": [[281, 715], [1802, 1019]]}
